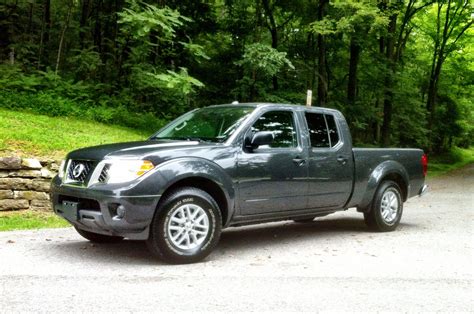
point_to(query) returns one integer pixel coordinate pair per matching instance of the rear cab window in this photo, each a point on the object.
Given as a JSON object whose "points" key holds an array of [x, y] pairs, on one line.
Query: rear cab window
{"points": [[323, 132]]}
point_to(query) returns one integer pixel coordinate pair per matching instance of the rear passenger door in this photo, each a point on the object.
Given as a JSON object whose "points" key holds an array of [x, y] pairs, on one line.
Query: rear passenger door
{"points": [[330, 163]]}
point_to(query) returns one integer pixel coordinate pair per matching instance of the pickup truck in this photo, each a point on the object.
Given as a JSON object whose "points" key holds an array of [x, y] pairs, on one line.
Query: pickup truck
{"points": [[232, 165]]}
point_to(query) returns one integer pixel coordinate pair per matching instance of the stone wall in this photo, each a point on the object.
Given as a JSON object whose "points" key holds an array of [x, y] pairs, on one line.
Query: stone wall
{"points": [[25, 183]]}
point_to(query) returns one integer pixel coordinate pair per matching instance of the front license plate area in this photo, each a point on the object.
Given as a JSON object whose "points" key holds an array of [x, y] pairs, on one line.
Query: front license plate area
{"points": [[70, 211]]}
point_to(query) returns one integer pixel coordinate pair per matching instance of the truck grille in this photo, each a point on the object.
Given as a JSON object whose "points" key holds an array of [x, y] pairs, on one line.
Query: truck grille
{"points": [[79, 170], [104, 174]]}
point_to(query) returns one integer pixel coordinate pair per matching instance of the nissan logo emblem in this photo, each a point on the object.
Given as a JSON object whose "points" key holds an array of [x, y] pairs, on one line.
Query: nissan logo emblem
{"points": [[78, 170]]}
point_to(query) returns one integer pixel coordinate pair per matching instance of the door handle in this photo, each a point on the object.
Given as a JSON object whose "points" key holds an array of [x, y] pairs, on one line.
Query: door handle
{"points": [[299, 161], [342, 159]]}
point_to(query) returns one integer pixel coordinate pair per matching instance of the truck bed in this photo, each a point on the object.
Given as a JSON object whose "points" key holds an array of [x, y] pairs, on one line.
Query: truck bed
{"points": [[370, 163]]}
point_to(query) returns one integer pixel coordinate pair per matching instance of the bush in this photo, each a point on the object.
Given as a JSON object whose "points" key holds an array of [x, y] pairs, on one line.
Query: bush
{"points": [[50, 104], [44, 92]]}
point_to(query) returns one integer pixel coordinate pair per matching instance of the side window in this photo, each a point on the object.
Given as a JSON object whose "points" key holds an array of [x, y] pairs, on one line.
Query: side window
{"points": [[318, 132], [332, 128], [282, 124]]}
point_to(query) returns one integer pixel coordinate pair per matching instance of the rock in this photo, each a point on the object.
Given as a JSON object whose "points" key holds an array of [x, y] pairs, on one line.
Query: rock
{"points": [[40, 185], [15, 184], [25, 174], [31, 195], [6, 194], [45, 173], [30, 163], [14, 204], [41, 204], [4, 174], [46, 162], [10, 163], [54, 166]]}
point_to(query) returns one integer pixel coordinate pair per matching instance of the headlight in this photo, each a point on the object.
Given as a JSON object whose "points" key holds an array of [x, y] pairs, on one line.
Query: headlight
{"points": [[61, 169], [127, 170]]}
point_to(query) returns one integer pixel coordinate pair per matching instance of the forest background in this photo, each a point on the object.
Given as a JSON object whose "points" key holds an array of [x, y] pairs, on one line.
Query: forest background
{"points": [[402, 72]]}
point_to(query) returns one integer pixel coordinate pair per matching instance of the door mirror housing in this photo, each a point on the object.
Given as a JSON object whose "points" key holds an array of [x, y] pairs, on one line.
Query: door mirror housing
{"points": [[261, 138]]}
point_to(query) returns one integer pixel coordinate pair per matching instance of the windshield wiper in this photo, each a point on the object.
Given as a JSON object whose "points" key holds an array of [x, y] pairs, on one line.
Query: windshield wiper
{"points": [[186, 138]]}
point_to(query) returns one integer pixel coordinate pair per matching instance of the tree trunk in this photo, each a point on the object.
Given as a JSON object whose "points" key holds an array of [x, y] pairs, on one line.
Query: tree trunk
{"points": [[273, 32], [98, 27], [47, 20], [353, 64], [432, 92], [83, 22], [388, 100], [61, 40], [323, 73], [45, 27]]}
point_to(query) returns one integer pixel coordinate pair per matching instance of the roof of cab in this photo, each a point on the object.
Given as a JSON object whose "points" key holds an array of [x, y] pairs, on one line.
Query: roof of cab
{"points": [[276, 105]]}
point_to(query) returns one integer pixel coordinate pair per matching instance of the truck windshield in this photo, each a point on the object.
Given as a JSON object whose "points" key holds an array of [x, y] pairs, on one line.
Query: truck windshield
{"points": [[213, 124]]}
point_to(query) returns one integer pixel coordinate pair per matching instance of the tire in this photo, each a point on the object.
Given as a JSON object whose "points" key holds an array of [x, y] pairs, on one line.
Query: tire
{"points": [[98, 238], [386, 208], [186, 227], [304, 221]]}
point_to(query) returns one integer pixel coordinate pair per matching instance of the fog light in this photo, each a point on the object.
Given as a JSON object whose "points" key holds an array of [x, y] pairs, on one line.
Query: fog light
{"points": [[120, 212]]}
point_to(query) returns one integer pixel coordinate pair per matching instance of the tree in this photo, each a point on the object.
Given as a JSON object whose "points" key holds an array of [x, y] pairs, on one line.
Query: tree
{"points": [[453, 19]]}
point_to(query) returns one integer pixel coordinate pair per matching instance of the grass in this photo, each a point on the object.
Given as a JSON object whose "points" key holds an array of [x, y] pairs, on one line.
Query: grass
{"points": [[26, 219], [29, 134], [454, 159]]}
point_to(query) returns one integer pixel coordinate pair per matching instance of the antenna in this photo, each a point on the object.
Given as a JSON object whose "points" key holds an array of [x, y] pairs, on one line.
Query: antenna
{"points": [[309, 97]]}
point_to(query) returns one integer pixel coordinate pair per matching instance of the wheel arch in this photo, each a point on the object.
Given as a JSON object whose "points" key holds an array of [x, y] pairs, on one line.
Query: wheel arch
{"points": [[388, 170], [202, 174]]}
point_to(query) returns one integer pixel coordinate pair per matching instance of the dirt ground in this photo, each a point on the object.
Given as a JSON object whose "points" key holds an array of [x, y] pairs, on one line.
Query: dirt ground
{"points": [[332, 264]]}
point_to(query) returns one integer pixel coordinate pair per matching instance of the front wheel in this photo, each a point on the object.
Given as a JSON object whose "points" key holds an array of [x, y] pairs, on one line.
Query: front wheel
{"points": [[386, 209], [187, 227]]}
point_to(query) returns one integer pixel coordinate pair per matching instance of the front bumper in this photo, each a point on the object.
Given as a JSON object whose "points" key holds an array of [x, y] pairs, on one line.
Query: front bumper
{"points": [[95, 209], [424, 189]]}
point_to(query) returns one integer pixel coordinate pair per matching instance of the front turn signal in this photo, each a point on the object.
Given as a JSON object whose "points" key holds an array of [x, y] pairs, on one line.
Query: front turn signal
{"points": [[145, 167]]}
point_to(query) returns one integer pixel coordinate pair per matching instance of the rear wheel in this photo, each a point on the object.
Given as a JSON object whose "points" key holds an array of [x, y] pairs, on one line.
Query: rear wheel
{"points": [[386, 209], [187, 227], [98, 238]]}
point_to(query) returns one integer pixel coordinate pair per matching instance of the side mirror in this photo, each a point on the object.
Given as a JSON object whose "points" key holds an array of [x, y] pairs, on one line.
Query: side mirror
{"points": [[261, 138]]}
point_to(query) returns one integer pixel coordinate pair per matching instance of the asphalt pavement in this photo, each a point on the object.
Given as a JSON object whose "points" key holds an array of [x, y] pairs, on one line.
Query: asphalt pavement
{"points": [[331, 264]]}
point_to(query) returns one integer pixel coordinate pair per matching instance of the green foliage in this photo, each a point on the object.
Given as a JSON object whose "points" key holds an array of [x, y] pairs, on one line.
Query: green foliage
{"points": [[140, 63], [264, 59], [140, 19], [178, 81], [352, 18], [452, 159]]}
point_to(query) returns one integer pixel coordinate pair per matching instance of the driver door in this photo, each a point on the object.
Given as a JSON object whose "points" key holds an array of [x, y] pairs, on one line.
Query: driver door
{"points": [[273, 177]]}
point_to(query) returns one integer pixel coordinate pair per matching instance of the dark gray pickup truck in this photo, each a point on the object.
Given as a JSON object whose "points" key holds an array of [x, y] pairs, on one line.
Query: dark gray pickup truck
{"points": [[232, 165]]}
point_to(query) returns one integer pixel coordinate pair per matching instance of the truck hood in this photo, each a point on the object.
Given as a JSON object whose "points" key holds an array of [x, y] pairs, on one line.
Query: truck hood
{"points": [[138, 149]]}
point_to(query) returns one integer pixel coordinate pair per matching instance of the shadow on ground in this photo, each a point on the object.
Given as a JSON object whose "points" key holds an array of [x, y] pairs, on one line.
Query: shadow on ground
{"points": [[236, 241]]}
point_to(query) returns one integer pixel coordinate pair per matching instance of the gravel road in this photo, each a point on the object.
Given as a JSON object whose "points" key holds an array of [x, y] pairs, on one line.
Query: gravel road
{"points": [[331, 264]]}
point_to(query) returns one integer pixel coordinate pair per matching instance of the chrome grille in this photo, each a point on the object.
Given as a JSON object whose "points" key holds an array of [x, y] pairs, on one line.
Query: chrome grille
{"points": [[104, 174], [79, 170]]}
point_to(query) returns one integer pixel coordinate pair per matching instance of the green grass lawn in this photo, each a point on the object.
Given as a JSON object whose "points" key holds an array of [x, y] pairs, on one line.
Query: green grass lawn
{"points": [[28, 134], [26, 219]]}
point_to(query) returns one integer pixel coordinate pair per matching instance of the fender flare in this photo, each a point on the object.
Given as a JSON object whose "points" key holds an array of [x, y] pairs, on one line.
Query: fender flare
{"points": [[173, 171], [386, 168]]}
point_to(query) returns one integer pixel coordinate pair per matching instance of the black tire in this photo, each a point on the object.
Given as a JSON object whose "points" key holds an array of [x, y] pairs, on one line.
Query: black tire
{"points": [[304, 221], [161, 241], [375, 217], [98, 238]]}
